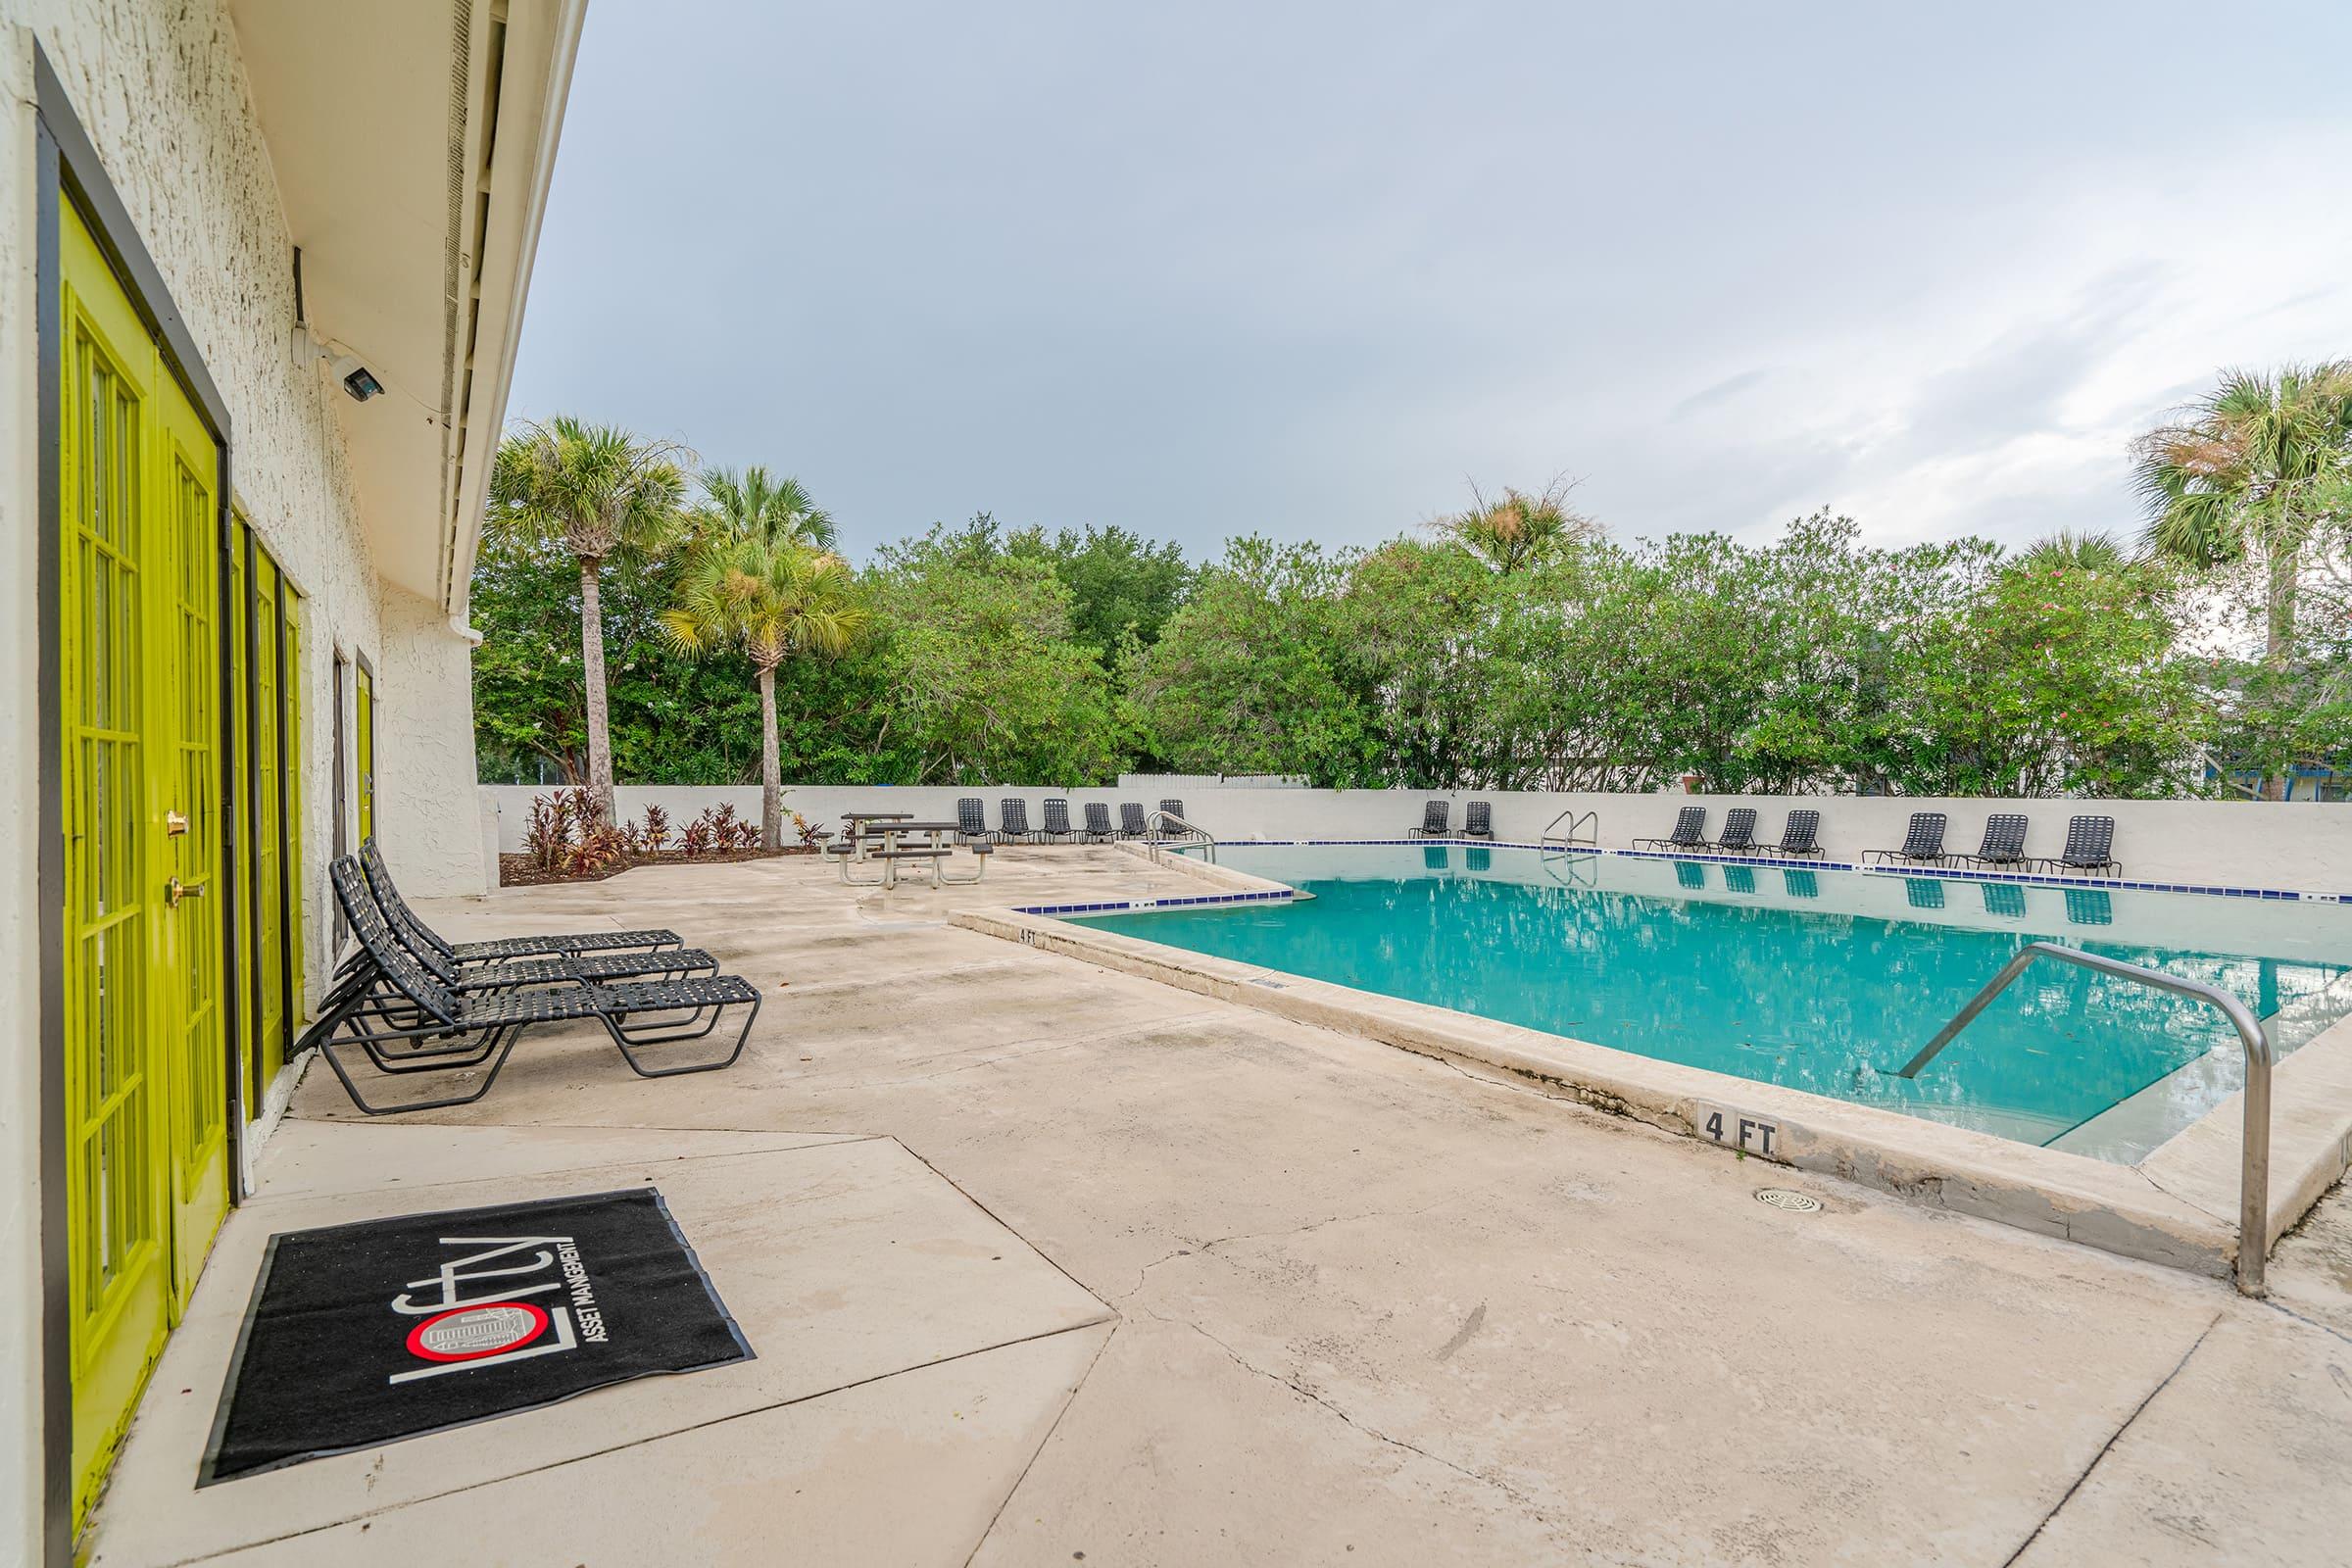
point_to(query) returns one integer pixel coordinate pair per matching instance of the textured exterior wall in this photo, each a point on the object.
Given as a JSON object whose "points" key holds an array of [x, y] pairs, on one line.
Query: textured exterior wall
{"points": [[159, 88], [425, 765]]}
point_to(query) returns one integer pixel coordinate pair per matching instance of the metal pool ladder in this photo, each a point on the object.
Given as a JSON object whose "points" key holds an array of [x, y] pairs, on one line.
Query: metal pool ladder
{"points": [[1583, 831], [2254, 1171], [1158, 837]]}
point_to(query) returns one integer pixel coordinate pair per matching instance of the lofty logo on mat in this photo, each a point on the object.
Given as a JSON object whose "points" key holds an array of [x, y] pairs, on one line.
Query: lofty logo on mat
{"points": [[465, 1333]]}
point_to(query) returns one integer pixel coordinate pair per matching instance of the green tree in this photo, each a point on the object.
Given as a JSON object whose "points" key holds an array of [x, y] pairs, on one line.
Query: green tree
{"points": [[1121, 584], [772, 597], [1517, 530], [602, 494], [755, 505], [2254, 470]]}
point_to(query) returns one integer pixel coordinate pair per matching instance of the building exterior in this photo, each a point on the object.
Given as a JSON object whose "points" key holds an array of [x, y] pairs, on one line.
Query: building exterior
{"points": [[263, 270]]}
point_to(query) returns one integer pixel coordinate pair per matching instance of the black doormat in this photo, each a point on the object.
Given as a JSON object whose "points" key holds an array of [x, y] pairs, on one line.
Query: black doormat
{"points": [[361, 1335]]}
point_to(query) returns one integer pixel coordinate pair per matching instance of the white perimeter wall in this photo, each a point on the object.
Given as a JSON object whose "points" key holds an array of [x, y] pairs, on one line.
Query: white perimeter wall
{"points": [[2300, 844], [161, 90]]}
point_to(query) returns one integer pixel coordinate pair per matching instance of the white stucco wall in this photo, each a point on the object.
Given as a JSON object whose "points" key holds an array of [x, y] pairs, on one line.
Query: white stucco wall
{"points": [[159, 88], [2299, 846]]}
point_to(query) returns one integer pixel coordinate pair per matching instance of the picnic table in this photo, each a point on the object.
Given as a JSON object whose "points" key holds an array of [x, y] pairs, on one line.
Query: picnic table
{"points": [[903, 840]]}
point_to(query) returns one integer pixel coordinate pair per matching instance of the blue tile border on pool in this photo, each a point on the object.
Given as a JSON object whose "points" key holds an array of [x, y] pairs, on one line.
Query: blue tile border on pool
{"points": [[1130, 906], [1952, 873]]}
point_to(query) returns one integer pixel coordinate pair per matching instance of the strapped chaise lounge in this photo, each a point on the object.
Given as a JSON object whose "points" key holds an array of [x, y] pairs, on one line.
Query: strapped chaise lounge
{"points": [[379, 879], [1013, 821], [1131, 820], [1800, 835], [1098, 823], [1174, 808], [1057, 829], [2089, 847], [1690, 832], [1437, 821], [1738, 832], [971, 820], [1478, 820], [2004, 843], [1922, 842], [411, 1022]]}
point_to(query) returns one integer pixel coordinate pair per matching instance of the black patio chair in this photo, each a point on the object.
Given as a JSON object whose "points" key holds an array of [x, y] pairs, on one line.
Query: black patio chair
{"points": [[410, 1022], [1174, 808], [379, 881], [1800, 835], [2089, 847], [1057, 829], [1437, 820], [1690, 832], [1098, 823], [2004, 843], [1478, 820], [1922, 842], [1738, 832], [1012, 821], [971, 820], [1131, 820]]}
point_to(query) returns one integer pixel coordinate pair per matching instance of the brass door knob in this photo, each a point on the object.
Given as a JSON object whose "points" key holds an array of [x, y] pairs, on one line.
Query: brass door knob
{"points": [[176, 890], [174, 824]]}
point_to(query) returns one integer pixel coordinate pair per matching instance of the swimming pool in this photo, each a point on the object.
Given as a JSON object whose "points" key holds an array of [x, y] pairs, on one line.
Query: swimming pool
{"points": [[1817, 980]]}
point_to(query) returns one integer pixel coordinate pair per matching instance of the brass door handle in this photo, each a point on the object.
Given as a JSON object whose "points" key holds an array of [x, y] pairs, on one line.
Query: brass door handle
{"points": [[176, 890]]}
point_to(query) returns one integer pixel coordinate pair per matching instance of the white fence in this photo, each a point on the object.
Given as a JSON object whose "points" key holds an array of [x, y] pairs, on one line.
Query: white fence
{"points": [[2296, 845]]}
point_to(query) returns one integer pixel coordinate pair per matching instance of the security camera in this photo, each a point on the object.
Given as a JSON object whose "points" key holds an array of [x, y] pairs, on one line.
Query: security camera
{"points": [[357, 378]]}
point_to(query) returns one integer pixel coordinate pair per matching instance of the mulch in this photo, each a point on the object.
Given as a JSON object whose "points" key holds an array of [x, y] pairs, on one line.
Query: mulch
{"points": [[519, 870]]}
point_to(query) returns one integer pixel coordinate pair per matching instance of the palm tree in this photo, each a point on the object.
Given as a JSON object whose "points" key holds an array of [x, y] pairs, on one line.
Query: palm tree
{"points": [[773, 597], [1516, 530], [752, 504], [2253, 468], [600, 492], [2099, 552]]}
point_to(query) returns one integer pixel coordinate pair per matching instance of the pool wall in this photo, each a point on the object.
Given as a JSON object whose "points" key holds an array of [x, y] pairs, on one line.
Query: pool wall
{"points": [[2177, 1207], [2292, 846]]}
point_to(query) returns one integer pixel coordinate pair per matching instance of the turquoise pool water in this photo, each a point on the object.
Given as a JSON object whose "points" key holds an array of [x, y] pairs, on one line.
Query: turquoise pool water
{"points": [[1823, 981]]}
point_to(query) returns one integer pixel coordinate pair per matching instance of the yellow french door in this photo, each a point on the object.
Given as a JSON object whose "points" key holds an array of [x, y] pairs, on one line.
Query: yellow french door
{"points": [[263, 723], [364, 733], [146, 1091]]}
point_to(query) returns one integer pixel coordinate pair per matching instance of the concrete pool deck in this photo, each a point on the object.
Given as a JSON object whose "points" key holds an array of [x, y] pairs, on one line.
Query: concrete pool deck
{"points": [[1044, 1260]]}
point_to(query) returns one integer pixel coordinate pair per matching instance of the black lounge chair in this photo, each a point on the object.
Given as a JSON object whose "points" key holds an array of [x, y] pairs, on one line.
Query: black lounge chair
{"points": [[1174, 808], [1922, 842], [2004, 843], [971, 820], [1131, 820], [1478, 820], [411, 1022], [1690, 832], [1800, 836], [1012, 821], [1057, 829], [2089, 847], [1097, 828], [1738, 832], [1437, 821], [379, 880]]}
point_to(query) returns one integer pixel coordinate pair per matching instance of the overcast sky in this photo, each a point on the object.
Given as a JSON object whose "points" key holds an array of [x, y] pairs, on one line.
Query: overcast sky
{"points": [[1310, 269]]}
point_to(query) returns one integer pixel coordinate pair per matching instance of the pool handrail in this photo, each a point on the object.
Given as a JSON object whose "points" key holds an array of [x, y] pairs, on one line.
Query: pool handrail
{"points": [[2254, 1169], [1156, 822], [1586, 823]]}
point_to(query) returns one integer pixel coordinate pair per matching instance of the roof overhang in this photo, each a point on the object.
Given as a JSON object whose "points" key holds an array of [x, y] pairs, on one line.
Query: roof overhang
{"points": [[412, 145]]}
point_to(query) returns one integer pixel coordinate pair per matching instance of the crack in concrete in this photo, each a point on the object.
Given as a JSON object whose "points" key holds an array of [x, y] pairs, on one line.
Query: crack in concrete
{"points": [[1350, 1421], [2113, 1438], [1205, 1248]]}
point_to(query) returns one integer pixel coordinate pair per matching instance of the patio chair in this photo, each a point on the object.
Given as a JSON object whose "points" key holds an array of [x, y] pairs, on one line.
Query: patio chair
{"points": [[1690, 831], [1131, 820], [971, 820], [379, 881], [1174, 808], [1437, 821], [1012, 821], [1057, 829], [1098, 823], [1923, 843], [2004, 843], [1800, 835], [2089, 847], [1738, 832], [414, 1023], [1478, 820]]}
